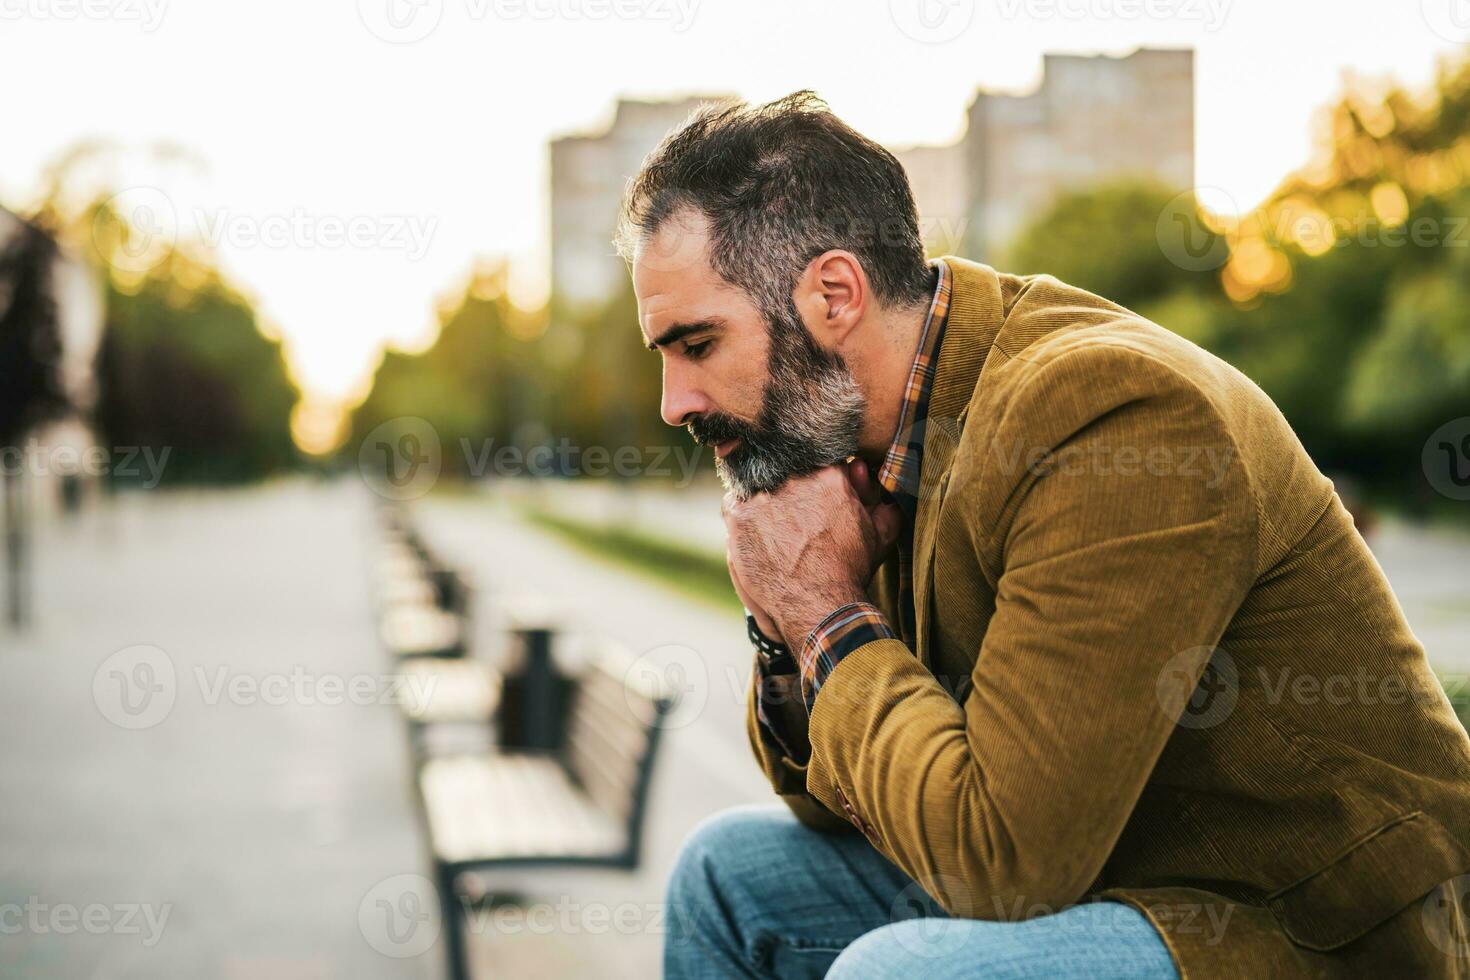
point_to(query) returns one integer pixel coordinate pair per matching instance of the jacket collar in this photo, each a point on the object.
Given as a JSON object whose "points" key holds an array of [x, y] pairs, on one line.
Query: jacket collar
{"points": [[976, 314]]}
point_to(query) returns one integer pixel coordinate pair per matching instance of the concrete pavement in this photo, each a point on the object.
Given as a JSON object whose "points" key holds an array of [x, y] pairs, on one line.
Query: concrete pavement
{"points": [[188, 790]]}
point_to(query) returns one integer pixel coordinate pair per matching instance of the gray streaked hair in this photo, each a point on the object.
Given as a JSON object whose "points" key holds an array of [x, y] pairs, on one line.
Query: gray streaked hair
{"points": [[780, 184]]}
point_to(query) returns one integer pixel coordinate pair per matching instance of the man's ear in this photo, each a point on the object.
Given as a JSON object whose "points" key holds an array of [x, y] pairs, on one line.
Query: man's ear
{"points": [[832, 297]]}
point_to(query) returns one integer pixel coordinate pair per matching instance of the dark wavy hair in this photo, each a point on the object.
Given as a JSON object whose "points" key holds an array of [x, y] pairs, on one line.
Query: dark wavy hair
{"points": [[781, 183]]}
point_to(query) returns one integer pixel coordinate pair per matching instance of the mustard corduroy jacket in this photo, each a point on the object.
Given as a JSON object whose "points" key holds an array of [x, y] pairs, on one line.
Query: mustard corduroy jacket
{"points": [[1155, 663]]}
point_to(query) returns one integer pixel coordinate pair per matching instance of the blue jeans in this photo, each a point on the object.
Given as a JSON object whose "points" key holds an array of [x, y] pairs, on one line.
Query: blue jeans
{"points": [[754, 893]]}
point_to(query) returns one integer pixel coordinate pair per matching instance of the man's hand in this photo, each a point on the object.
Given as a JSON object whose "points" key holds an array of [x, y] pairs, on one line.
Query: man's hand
{"points": [[807, 548], [763, 619]]}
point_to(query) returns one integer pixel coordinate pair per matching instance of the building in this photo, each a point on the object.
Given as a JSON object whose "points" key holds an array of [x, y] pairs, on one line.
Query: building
{"points": [[1091, 119], [588, 175]]}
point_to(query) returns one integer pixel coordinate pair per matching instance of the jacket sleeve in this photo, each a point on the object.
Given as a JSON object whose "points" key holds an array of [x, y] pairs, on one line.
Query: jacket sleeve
{"points": [[786, 775], [1109, 572]]}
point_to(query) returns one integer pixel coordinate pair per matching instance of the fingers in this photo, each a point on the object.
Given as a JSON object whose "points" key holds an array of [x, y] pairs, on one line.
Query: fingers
{"points": [[863, 483], [887, 523], [735, 580]]}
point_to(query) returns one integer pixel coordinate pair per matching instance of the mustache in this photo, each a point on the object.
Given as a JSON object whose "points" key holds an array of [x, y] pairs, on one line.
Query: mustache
{"points": [[707, 430]]}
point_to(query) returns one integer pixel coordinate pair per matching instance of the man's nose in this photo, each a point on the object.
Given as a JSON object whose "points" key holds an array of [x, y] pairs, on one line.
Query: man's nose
{"points": [[680, 401]]}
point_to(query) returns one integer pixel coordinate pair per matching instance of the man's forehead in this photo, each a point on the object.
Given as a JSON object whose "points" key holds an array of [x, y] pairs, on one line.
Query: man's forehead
{"points": [[677, 249], [672, 277]]}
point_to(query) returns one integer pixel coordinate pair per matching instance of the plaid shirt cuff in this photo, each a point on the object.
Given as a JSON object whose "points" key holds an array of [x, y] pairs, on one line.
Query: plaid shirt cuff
{"points": [[844, 630]]}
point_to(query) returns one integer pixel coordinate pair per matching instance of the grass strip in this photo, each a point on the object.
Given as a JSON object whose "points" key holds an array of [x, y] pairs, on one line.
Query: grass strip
{"points": [[698, 574]]}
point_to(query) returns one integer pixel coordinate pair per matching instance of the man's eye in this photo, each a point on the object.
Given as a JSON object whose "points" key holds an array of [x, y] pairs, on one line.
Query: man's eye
{"points": [[696, 351]]}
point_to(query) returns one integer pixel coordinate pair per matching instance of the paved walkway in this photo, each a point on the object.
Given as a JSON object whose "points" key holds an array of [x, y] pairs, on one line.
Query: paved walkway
{"points": [[238, 835], [189, 792], [608, 924]]}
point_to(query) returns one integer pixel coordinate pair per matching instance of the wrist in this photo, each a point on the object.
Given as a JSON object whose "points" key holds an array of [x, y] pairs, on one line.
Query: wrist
{"points": [[768, 648], [799, 623]]}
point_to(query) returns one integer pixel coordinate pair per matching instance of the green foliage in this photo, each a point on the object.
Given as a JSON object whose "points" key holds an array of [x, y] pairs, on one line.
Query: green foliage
{"points": [[1361, 337], [1106, 240], [696, 573], [183, 366], [30, 331], [478, 381], [548, 377], [1425, 336]]}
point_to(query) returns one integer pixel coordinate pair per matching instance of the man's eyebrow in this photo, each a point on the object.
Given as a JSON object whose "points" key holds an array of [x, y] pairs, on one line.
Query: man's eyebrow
{"points": [[683, 330]]}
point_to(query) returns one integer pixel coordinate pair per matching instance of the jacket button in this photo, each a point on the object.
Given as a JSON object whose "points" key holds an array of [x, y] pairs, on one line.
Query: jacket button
{"points": [[852, 814]]}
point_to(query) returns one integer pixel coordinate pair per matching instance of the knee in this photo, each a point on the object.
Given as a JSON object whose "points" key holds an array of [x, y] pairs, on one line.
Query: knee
{"points": [[711, 853], [912, 946]]}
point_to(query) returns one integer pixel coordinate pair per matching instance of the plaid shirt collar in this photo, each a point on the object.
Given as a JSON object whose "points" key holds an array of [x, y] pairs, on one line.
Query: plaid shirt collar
{"points": [[851, 626], [899, 474]]}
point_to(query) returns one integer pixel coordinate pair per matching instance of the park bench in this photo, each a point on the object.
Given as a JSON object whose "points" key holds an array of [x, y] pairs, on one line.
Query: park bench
{"points": [[442, 691], [582, 804], [422, 604]]}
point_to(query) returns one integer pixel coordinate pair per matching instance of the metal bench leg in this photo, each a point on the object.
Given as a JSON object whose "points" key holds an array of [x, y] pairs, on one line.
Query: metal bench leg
{"points": [[451, 911]]}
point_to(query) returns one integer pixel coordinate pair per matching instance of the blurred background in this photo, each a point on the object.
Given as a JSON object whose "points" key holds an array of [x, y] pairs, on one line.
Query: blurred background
{"points": [[333, 475]]}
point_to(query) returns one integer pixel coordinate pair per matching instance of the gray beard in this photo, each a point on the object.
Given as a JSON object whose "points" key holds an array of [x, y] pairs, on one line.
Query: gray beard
{"points": [[811, 414]]}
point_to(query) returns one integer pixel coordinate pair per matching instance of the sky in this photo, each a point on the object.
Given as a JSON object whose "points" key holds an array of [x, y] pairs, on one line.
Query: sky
{"points": [[352, 159]]}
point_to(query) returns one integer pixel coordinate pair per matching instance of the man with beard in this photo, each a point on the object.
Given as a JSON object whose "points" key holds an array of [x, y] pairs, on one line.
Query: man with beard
{"points": [[1069, 662]]}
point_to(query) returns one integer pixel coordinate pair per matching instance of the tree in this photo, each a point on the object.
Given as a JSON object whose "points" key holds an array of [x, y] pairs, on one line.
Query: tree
{"points": [[32, 392]]}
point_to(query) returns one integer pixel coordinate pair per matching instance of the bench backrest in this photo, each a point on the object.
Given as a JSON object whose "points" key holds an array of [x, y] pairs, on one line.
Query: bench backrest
{"points": [[612, 734]]}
